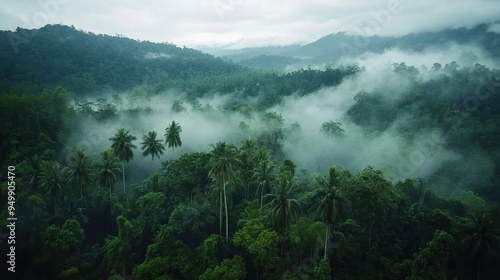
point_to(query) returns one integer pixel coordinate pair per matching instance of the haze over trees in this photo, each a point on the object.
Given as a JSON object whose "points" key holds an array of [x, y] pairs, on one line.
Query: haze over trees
{"points": [[375, 171]]}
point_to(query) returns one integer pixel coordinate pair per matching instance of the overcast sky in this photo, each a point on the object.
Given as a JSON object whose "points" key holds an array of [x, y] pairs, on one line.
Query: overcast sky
{"points": [[245, 23]]}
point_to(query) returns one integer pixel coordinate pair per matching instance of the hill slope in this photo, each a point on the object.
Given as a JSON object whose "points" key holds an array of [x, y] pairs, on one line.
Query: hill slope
{"points": [[85, 62]]}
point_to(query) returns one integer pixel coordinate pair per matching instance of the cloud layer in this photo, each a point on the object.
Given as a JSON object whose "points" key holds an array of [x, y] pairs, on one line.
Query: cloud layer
{"points": [[244, 23]]}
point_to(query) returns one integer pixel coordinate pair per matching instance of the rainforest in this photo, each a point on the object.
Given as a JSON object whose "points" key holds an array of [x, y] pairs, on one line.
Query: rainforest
{"points": [[141, 160]]}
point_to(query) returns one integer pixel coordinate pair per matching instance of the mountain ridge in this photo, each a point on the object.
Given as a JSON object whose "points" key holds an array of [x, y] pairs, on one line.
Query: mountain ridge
{"points": [[330, 48]]}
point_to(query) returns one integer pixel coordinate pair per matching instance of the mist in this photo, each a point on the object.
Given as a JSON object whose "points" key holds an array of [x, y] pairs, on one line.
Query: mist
{"points": [[200, 128], [424, 156], [385, 150], [463, 54], [209, 121]]}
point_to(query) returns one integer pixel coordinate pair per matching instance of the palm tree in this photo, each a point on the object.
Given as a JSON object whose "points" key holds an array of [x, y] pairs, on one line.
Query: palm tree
{"points": [[284, 208], [151, 145], [263, 174], [52, 181], [248, 215], [79, 170], [330, 205], [222, 162], [247, 159], [32, 172], [122, 148], [107, 170], [172, 134], [152, 183], [483, 243], [217, 191]]}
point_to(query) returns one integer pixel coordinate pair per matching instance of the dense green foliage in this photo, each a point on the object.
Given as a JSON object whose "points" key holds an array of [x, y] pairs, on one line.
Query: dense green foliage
{"points": [[243, 209], [46, 57]]}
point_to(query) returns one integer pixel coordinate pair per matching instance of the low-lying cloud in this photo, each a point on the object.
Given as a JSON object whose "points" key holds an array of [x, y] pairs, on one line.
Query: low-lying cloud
{"points": [[463, 55], [424, 155]]}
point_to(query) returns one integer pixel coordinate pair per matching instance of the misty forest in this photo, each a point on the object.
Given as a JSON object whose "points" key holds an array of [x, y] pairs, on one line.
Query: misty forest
{"points": [[141, 160]]}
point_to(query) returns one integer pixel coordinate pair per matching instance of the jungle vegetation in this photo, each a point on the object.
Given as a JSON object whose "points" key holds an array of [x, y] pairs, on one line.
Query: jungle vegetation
{"points": [[240, 207]]}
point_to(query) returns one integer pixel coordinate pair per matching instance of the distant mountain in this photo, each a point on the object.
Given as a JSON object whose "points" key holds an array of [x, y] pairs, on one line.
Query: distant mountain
{"points": [[248, 53], [269, 62], [84, 62], [331, 48], [336, 45]]}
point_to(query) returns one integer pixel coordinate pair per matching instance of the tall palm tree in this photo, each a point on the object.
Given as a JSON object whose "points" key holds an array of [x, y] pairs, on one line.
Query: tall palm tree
{"points": [[247, 158], [284, 209], [52, 181], [122, 148], [79, 170], [107, 170], [263, 174], [222, 162], [217, 191], [483, 243], [330, 205], [31, 174], [172, 135], [151, 145]]}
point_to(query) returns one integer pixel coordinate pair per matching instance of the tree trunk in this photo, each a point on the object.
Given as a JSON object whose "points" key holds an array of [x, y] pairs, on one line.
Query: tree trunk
{"points": [[220, 213], [422, 198], [281, 254], [326, 239], [478, 270], [123, 175], [225, 205], [110, 206]]}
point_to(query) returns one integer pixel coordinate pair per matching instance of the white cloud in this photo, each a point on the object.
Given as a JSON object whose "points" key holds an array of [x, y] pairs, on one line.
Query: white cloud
{"points": [[464, 55], [242, 23]]}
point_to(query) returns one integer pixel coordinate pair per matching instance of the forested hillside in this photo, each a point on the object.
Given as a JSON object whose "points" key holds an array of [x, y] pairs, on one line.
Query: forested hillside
{"points": [[149, 161], [85, 62]]}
